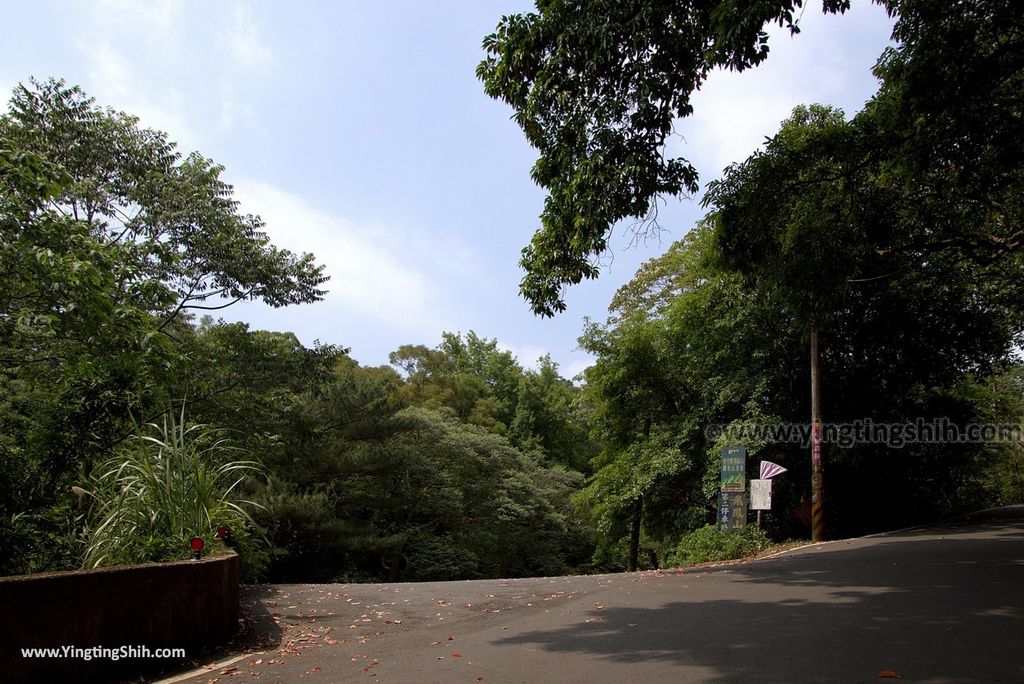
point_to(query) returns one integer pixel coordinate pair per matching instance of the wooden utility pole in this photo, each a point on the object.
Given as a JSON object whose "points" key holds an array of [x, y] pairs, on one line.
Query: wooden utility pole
{"points": [[817, 486]]}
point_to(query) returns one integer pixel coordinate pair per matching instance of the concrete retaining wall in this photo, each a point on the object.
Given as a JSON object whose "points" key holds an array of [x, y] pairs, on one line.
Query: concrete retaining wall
{"points": [[186, 604]]}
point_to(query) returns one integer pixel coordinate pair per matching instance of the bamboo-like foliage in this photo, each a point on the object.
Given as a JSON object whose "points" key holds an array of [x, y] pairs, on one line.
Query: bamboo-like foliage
{"points": [[166, 487]]}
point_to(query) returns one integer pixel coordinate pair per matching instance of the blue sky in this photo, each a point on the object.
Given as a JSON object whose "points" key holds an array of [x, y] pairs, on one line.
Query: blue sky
{"points": [[359, 132]]}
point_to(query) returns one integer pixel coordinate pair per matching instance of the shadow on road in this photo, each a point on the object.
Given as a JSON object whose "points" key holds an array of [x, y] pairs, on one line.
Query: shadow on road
{"points": [[260, 630], [945, 607]]}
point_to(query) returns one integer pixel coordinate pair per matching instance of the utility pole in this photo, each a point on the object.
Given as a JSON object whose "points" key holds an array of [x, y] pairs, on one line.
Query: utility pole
{"points": [[817, 486]]}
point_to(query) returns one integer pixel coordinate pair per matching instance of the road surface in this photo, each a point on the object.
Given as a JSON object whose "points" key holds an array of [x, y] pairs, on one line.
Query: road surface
{"points": [[942, 604]]}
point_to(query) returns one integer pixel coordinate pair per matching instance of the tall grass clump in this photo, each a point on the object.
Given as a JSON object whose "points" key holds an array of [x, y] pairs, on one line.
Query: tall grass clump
{"points": [[170, 483]]}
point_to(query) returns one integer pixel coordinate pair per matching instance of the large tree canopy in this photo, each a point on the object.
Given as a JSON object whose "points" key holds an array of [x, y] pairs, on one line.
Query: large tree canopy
{"points": [[173, 220], [596, 87]]}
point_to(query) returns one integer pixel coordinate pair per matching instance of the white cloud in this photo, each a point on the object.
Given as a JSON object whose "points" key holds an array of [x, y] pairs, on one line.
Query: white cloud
{"points": [[109, 70], [159, 15], [5, 92], [247, 45], [113, 82], [574, 368], [735, 112], [155, 34], [235, 112], [731, 119], [527, 355], [114, 79], [366, 277]]}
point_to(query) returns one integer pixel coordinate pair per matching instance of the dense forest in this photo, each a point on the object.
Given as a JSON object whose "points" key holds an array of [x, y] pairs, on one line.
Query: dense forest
{"points": [[117, 383], [132, 419]]}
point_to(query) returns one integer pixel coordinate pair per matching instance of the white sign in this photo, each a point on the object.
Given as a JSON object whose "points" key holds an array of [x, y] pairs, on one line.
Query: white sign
{"points": [[760, 495]]}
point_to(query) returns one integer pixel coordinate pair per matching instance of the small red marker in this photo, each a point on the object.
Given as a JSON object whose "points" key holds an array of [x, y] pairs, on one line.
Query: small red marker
{"points": [[197, 547]]}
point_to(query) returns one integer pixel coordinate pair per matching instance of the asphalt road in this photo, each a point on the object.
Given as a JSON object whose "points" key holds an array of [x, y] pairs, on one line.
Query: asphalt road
{"points": [[942, 604]]}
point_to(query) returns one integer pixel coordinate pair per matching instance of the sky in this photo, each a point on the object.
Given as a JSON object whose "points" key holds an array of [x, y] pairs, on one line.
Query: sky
{"points": [[359, 132]]}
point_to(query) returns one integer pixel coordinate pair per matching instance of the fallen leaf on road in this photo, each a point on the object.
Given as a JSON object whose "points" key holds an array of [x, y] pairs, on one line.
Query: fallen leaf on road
{"points": [[456, 655]]}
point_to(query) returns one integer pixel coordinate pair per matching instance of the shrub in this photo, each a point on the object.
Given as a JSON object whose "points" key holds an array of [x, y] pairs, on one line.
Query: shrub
{"points": [[708, 544]]}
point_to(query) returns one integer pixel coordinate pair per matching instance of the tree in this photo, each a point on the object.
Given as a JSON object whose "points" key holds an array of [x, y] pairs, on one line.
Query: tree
{"points": [[548, 417], [792, 217], [687, 346], [110, 240], [949, 118], [596, 88], [486, 386], [899, 229], [174, 220]]}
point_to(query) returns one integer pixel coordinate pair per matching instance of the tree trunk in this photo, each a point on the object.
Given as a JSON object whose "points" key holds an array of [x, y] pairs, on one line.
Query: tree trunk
{"points": [[396, 564], [638, 512], [634, 533]]}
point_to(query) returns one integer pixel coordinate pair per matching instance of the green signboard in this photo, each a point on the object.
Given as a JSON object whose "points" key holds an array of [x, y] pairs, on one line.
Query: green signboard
{"points": [[734, 469]]}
